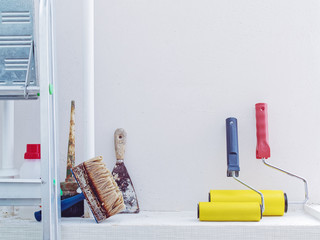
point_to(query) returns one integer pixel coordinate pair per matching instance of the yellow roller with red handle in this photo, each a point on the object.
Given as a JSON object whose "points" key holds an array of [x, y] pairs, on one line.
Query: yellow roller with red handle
{"points": [[263, 148], [276, 203]]}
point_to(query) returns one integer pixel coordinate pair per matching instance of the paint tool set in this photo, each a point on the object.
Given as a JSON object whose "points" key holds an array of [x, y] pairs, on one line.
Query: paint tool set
{"points": [[250, 204], [106, 193]]}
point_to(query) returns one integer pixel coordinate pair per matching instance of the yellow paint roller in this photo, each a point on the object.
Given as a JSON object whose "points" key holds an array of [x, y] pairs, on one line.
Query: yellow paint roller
{"points": [[235, 210], [263, 149], [276, 203], [229, 212]]}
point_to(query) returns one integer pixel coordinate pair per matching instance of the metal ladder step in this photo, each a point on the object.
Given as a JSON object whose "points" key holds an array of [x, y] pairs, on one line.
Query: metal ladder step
{"points": [[18, 73]]}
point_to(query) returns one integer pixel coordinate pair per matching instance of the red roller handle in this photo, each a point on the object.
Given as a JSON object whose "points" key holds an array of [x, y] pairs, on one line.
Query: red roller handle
{"points": [[263, 149]]}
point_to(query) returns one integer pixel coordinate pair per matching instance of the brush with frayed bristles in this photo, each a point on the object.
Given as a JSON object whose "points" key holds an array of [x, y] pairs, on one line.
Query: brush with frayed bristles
{"points": [[98, 188], [102, 185]]}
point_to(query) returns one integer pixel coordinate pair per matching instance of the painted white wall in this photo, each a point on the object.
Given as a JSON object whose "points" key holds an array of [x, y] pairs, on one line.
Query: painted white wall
{"points": [[171, 72]]}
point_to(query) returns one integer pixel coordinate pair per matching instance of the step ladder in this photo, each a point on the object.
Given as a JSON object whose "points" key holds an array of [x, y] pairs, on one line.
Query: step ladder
{"points": [[27, 72]]}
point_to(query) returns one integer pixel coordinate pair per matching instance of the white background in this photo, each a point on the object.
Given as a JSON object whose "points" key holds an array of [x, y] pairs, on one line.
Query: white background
{"points": [[171, 72]]}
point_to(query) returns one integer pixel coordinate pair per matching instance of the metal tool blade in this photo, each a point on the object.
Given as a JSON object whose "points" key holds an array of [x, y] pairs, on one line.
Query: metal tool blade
{"points": [[122, 178], [121, 175]]}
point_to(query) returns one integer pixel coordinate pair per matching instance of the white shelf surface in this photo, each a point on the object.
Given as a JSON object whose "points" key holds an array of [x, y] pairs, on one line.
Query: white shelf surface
{"points": [[295, 225], [20, 192]]}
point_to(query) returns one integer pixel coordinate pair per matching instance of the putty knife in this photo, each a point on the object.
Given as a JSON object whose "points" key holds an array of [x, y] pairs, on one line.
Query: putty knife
{"points": [[121, 175]]}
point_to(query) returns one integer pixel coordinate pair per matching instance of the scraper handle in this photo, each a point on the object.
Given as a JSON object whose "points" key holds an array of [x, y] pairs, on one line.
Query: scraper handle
{"points": [[232, 146], [263, 149], [120, 139]]}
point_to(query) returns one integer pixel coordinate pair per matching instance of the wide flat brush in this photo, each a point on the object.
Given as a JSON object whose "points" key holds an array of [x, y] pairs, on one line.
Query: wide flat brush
{"points": [[98, 188]]}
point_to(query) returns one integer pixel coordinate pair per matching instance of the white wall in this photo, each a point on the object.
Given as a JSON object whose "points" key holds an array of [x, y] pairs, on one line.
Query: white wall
{"points": [[171, 72]]}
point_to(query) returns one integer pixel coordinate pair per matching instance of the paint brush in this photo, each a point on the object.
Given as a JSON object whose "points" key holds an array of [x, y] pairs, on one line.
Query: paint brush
{"points": [[121, 174], [69, 186], [98, 188]]}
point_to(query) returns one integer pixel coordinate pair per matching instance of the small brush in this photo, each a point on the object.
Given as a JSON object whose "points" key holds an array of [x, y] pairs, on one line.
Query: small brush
{"points": [[69, 186], [98, 188]]}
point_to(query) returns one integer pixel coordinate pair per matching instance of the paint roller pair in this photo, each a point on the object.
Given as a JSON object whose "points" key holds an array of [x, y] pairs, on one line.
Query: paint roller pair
{"points": [[246, 205]]}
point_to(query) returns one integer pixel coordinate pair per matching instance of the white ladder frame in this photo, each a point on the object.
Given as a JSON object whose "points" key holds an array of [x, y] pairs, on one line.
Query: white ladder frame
{"points": [[45, 191]]}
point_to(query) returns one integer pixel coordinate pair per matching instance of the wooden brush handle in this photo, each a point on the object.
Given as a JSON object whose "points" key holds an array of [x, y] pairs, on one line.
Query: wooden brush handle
{"points": [[120, 139]]}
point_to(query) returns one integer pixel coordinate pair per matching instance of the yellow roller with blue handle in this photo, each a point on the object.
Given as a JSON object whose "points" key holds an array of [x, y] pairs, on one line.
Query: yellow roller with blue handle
{"points": [[236, 210], [229, 211]]}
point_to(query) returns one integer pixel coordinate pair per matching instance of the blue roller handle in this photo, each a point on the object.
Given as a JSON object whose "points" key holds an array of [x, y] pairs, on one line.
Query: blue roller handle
{"points": [[65, 204], [232, 146]]}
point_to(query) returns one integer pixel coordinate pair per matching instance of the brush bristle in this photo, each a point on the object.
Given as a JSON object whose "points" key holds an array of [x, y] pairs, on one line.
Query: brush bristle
{"points": [[106, 188]]}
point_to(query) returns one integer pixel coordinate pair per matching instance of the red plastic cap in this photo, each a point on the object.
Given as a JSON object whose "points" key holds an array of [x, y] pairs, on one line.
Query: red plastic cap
{"points": [[33, 151]]}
